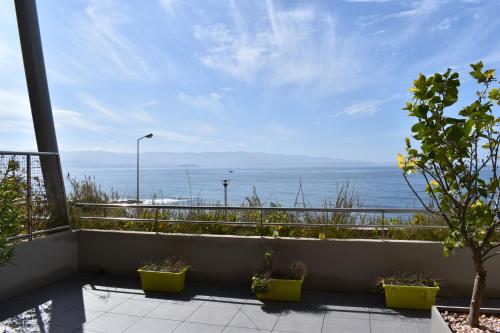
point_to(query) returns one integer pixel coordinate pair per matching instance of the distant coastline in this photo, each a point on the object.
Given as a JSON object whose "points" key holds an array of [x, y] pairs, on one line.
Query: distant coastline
{"points": [[104, 159]]}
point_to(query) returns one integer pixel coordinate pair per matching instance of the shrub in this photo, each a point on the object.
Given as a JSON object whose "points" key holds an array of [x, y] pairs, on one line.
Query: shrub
{"points": [[10, 210], [273, 267], [168, 265]]}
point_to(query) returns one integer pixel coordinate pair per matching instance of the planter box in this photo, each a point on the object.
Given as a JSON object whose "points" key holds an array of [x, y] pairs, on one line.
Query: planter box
{"points": [[283, 290], [162, 281], [410, 297], [439, 325]]}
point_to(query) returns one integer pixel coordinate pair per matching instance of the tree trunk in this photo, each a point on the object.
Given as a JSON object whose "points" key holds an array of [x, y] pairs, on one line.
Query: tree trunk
{"points": [[478, 292]]}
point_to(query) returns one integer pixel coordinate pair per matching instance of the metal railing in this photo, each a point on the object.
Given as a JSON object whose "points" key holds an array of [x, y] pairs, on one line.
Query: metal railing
{"points": [[44, 204], [329, 217]]}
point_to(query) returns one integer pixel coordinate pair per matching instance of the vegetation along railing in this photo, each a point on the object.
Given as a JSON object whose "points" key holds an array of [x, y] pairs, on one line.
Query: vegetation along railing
{"points": [[324, 222], [41, 204]]}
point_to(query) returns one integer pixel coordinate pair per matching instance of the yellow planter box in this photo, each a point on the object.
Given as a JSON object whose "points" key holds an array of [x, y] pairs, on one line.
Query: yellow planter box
{"points": [[162, 281], [283, 290], [410, 297]]}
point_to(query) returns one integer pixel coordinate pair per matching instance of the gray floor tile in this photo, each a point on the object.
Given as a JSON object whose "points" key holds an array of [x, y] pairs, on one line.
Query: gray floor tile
{"points": [[210, 315], [342, 325], [58, 329], [111, 322], [381, 326], [243, 330], [135, 307], [198, 328], [354, 300], [348, 312], [225, 302], [97, 303], [153, 325], [256, 319], [105, 291], [299, 322], [173, 311], [385, 314], [74, 318]]}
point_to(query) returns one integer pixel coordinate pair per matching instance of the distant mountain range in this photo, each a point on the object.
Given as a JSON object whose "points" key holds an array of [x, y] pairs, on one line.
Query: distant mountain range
{"points": [[104, 159]]}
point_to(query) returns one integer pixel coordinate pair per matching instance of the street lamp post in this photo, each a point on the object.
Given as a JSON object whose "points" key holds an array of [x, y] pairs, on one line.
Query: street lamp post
{"points": [[149, 136], [225, 182]]}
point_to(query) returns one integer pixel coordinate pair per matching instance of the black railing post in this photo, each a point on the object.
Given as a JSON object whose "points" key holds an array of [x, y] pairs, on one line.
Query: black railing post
{"points": [[28, 196]]}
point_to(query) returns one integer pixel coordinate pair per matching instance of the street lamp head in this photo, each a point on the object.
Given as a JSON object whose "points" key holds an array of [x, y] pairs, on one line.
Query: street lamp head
{"points": [[149, 136]]}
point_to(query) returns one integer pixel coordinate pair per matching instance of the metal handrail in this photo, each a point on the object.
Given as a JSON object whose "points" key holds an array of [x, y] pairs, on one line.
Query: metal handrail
{"points": [[42, 153], [269, 224], [382, 226], [289, 209], [30, 234]]}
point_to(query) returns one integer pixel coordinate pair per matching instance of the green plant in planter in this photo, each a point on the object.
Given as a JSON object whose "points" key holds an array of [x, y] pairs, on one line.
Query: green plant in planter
{"points": [[166, 275], [261, 285], [277, 279], [458, 157], [10, 209], [409, 290]]}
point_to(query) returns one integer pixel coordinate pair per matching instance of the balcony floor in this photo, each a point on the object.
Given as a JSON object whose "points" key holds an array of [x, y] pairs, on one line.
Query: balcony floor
{"points": [[113, 304]]}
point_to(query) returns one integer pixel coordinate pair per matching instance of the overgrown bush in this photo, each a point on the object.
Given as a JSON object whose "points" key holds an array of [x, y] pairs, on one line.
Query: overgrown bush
{"points": [[180, 221], [169, 265], [408, 278], [10, 210], [274, 267]]}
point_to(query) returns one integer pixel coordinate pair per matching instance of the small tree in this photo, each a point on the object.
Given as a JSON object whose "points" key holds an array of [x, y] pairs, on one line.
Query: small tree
{"points": [[457, 155], [10, 209]]}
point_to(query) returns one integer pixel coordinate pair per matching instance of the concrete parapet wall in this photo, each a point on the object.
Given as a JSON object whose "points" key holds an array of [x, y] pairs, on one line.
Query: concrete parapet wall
{"points": [[39, 262], [333, 265]]}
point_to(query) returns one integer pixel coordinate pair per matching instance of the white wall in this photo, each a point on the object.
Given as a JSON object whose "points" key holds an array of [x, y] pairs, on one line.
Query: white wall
{"points": [[336, 265]]}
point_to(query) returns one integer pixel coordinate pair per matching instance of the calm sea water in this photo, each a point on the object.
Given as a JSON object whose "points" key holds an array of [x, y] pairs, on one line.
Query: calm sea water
{"points": [[378, 186]]}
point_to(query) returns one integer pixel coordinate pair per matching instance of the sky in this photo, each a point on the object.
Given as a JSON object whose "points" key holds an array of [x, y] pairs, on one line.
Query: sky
{"points": [[318, 78]]}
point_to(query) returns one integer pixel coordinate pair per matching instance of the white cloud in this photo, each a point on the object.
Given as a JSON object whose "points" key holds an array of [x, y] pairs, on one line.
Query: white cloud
{"points": [[168, 6], [420, 8], [14, 106], [75, 119], [210, 102], [180, 137], [15, 114], [117, 114], [444, 24], [102, 108], [365, 107], [99, 37], [291, 46], [277, 129], [371, 1]]}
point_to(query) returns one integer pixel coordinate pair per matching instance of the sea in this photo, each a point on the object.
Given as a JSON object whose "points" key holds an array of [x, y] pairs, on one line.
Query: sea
{"points": [[377, 186]]}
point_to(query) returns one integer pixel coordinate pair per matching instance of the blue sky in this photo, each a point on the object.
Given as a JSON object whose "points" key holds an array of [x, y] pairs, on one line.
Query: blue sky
{"points": [[320, 78]]}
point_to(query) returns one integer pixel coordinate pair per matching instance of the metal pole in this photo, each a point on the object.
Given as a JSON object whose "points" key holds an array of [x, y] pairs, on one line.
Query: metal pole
{"points": [[137, 213], [383, 225], [41, 109], [225, 183], [28, 196], [137, 189]]}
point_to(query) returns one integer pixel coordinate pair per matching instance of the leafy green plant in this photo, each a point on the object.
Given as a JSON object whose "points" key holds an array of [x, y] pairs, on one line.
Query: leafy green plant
{"points": [[10, 210], [169, 265], [273, 267], [457, 155], [261, 285]]}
